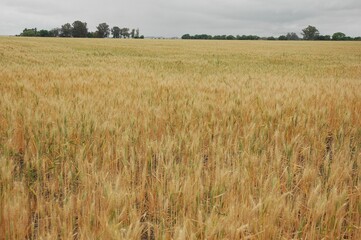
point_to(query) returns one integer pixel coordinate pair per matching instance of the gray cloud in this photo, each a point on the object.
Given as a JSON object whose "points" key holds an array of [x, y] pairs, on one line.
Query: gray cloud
{"points": [[176, 17]]}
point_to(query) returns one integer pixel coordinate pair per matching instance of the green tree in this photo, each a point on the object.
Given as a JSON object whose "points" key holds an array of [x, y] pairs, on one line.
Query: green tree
{"points": [[43, 33], [323, 37], [124, 32], [202, 36], [80, 29], [116, 32], [282, 37], [92, 35], [55, 32], [132, 33], [29, 32], [338, 36], [310, 33], [186, 36], [231, 37], [103, 30], [249, 37], [66, 30], [137, 33], [220, 37], [292, 36]]}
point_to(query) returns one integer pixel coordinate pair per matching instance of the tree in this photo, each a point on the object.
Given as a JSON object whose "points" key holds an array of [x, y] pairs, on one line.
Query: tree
{"points": [[55, 32], [238, 37], [124, 32], [292, 36], [80, 29], [323, 37], [29, 32], [103, 30], [271, 38], [202, 36], [66, 30], [116, 32], [43, 33], [338, 36], [249, 37], [92, 35], [282, 37], [310, 33], [219, 37], [186, 36], [132, 33], [137, 33], [231, 37]]}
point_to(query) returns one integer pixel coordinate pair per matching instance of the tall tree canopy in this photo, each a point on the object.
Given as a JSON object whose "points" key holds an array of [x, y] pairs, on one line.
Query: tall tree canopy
{"points": [[292, 36], [116, 32], [338, 36], [66, 30], [125, 32], [310, 33], [80, 29], [103, 30]]}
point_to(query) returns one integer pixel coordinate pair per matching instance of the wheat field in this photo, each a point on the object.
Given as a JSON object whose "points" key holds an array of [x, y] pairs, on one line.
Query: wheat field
{"points": [[170, 139]]}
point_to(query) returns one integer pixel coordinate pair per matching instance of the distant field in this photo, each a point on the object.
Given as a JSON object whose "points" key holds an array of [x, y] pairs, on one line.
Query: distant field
{"points": [[170, 139]]}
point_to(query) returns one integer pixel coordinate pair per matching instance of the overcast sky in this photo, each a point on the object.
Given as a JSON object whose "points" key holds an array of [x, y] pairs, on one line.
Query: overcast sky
{"points": [[170, 18]]}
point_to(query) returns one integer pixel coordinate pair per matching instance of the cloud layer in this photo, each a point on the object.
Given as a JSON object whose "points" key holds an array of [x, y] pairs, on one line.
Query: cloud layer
{"points": [[175, 17]]}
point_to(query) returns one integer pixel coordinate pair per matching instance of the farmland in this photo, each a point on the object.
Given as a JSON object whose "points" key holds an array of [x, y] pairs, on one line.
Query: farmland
{"points": [[170, 139]]}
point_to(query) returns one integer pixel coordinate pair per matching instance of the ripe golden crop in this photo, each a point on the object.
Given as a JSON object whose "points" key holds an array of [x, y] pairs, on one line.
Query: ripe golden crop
{"points": [[167, 139]]}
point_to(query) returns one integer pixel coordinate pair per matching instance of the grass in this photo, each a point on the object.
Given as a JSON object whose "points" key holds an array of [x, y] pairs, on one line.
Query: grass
{"points": [[157, 139]]}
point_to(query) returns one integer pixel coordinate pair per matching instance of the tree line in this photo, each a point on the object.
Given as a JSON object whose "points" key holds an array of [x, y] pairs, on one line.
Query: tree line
{"points": [[79, 29], [308, 33]]}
